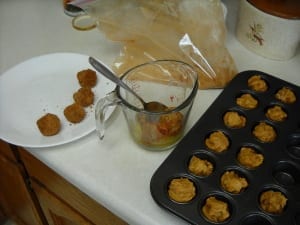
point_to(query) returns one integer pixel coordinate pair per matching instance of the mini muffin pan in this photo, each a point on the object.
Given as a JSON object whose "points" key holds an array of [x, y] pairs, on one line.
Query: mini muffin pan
{"points": [[280, 170]]}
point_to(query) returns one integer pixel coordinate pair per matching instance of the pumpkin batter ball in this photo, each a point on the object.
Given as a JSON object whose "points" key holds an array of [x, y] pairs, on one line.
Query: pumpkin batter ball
{"points": [[264, 132], [276, 113], [273, 201], [181, 190], [247, 101], [217, 141], [249, 158], [286, 95], [256, 83], [234, 120], [233, 183], [215, 210], [200, 167]]}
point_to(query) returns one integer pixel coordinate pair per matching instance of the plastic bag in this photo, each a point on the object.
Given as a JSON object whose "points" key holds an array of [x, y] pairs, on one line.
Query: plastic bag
{"points": [[192, 31]]}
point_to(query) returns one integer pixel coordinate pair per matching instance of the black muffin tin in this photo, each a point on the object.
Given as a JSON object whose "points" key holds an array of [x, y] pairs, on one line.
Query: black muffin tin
{"points": [[280, 170]]}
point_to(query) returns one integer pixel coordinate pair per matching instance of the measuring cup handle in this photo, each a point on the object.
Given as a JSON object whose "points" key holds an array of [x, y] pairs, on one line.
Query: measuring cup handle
{"points": [[102, 105]]}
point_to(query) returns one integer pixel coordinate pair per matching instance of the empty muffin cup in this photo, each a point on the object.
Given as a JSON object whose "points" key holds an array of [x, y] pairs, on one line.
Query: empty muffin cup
{"points": [[256, 219], [286, 173]]}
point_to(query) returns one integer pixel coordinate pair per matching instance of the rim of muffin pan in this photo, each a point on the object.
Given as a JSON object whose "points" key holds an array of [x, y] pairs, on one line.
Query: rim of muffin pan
{"points": [[277, 188], [257, 148]]}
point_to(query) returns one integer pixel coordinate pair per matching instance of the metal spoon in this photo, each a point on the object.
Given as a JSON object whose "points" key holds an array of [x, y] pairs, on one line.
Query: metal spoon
{"points": [[152, 106]]}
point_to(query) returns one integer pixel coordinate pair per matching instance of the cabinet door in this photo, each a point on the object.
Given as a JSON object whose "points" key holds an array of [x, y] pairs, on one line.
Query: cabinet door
{"points": [[67, 192], [56, 210], [15, 198], [6, 151]]}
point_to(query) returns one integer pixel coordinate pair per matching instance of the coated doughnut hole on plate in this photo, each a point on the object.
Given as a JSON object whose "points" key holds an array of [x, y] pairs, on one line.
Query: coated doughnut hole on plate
{"points": [[74, 113], [247, 101], [217, 141], [181, 190], [286, 95], [49, 124], [233, 119], [264, 132], [249, 157], [84, 96], [257, 83], [87, 78]]}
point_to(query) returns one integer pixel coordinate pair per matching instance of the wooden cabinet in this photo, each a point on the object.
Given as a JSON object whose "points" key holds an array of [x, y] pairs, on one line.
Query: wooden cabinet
{"points": [[56, 210], [51, 188], [33, 194], [16, 200]]}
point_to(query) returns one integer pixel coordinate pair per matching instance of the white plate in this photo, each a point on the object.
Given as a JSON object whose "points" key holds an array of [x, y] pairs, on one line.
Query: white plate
{"points": [[40, 85]]}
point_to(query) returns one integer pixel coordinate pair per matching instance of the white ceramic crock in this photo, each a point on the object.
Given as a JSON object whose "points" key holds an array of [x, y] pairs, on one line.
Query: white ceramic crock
{"points": [[267, 35]]}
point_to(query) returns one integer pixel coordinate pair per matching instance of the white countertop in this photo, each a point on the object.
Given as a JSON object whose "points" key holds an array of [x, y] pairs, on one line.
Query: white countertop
{"points": [[115, 172]]}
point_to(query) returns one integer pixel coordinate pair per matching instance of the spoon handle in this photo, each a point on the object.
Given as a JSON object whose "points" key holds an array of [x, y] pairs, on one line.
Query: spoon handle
{"points": [[111, 76]]}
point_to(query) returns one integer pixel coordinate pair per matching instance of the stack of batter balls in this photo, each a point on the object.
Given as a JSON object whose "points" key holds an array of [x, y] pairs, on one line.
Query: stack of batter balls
{"points": [[50, 125]]}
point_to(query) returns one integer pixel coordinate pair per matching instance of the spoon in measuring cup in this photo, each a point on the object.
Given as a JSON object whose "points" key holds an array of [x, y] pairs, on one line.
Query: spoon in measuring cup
{"points": [[152, 106]]}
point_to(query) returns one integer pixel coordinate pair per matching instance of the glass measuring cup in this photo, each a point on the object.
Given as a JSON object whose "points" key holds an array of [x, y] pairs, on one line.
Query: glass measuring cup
{"points": [[172, 83]]}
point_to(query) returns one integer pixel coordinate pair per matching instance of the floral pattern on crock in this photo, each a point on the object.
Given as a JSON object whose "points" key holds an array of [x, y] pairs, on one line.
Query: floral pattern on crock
{"points": [[255, 33]]}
